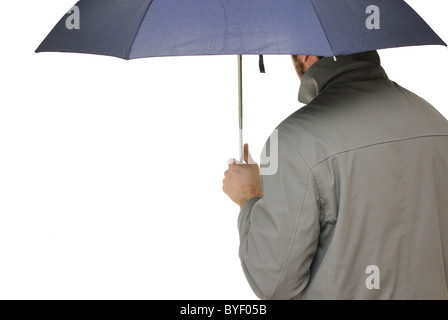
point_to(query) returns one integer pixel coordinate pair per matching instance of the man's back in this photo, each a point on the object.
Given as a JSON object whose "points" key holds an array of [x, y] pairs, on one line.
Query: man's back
{"points": [[380, 157], [377, 157]]}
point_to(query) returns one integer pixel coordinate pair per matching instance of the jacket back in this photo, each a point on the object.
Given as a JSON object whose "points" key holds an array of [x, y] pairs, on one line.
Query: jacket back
{"points": [[379, 156], [370, 220]]}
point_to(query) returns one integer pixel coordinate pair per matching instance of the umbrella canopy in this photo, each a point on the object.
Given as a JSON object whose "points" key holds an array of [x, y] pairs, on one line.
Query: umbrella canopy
{"points": [[131, 29]]}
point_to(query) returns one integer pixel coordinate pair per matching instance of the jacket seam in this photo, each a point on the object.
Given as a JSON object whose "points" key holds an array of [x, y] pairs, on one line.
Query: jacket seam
{"points": [[375, 144], [249, 214], [322, 210], [296, 149], [296, 228]]}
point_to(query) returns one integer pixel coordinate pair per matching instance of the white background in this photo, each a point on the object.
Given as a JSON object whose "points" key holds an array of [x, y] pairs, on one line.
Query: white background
{"points": [[111, 172]]}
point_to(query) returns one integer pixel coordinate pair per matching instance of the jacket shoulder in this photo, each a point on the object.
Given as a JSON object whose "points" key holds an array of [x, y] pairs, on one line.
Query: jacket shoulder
{"points": [[357, 115]]}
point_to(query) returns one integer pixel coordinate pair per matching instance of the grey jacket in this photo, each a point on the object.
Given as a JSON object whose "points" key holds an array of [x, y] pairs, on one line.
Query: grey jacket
{"points": [[358, 208]]}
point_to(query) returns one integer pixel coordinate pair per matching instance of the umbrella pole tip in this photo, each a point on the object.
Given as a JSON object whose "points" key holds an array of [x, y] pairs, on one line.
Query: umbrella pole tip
{"points": [[334, 57]]}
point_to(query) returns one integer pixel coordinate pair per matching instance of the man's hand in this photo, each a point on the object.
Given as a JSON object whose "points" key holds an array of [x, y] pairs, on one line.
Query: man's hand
{"points": [[242, 181]]}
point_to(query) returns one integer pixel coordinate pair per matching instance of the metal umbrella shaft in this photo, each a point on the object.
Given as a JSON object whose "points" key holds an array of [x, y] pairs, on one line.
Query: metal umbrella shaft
{"points": [[240, 105]]}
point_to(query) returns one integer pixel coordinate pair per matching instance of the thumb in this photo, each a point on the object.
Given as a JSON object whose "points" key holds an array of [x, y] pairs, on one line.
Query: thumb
{"points": [[247, 157]]}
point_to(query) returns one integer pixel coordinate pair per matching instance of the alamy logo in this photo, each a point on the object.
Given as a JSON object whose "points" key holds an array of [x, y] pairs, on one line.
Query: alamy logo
{"points": [[73, 20], [269, 156], [373, 21], [373, 280]]}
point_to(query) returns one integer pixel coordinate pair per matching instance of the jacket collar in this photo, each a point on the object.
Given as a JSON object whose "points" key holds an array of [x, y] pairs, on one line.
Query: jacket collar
{"points": [[353, 67]]}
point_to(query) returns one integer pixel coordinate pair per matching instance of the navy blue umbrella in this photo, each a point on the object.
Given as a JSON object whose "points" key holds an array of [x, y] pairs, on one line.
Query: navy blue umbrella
{"points": [[132, 29]]}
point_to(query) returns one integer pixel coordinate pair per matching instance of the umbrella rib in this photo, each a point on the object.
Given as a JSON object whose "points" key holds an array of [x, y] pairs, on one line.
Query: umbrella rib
{"points": [[138, 30], [317, 11]]}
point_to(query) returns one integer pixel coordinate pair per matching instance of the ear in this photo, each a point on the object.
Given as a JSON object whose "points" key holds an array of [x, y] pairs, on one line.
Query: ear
{"points": [[309, 61], [305, 59]]}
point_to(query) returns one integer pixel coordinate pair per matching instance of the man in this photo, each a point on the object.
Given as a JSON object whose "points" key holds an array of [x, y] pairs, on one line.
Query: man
{"points": [[358, 208]]}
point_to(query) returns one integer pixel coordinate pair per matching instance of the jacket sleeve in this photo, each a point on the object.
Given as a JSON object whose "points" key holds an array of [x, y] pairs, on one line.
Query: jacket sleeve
{"points": [[279, 233]]}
